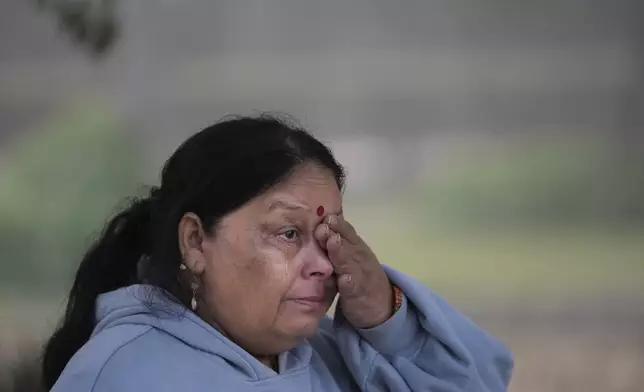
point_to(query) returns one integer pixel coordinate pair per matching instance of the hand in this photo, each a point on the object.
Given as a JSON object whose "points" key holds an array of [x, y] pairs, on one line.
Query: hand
{"points": [[366, 296]]}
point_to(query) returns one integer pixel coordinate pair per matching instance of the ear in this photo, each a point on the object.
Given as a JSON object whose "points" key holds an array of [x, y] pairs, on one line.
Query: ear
{"points": [[191, 238]]}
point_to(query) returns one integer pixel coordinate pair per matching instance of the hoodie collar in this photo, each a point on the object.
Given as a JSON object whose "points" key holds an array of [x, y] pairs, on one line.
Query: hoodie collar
{"points": [[149, 305]]}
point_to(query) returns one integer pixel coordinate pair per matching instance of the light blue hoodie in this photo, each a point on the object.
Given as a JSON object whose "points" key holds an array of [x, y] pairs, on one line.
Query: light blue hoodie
{"points": [[138, 345]]}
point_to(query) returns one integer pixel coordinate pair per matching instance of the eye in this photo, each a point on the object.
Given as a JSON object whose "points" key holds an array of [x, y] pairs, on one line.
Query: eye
{"points": [[290, 235]]}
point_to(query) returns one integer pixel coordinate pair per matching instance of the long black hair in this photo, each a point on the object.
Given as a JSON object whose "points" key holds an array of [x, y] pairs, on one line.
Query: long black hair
{"points": [[211, 174]]}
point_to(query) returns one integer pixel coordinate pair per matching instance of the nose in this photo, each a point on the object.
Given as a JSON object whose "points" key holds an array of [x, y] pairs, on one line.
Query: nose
{"points": [[317, 264]]}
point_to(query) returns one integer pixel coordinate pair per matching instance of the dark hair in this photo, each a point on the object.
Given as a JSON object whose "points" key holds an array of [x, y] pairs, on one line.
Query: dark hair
{"points": [[211, 174]]}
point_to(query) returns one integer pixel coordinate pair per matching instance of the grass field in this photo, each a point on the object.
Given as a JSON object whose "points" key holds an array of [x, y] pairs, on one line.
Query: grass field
{"points": [[522, 263]]}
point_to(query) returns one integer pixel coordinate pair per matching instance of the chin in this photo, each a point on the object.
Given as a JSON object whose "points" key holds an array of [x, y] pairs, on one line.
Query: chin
{"points": [[304, 328]]}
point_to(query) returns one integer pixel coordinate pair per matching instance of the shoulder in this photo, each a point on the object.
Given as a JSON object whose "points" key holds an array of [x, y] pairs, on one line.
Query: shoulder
{"points": [[132, 358], [82, 370]]}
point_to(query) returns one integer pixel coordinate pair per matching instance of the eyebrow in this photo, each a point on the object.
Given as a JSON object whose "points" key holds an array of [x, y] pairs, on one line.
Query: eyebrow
{"points": [[285, 205], [291, 206]]}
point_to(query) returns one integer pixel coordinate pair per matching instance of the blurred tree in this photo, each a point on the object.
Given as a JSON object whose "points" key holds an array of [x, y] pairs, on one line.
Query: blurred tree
{"points": [[93, 24], [632, 128], [56, 188], [563, 184]]}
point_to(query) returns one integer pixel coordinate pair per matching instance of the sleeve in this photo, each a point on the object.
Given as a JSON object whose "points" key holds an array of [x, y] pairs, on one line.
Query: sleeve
{"points": [[425, 346]]}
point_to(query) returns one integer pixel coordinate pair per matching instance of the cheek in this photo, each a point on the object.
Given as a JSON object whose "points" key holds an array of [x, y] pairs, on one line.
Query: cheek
{"points": [[253, 272], [274, 258]]}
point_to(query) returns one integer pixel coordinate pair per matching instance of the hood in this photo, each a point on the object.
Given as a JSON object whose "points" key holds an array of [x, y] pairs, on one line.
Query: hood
{"points": [[149, 305]]}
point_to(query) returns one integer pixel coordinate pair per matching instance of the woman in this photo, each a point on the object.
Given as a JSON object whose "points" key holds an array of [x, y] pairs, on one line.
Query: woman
{"points": [[220, 281]]}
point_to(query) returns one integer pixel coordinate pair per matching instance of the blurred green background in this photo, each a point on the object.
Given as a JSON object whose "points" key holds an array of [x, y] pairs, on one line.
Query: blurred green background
{"points": [[494, 152]]}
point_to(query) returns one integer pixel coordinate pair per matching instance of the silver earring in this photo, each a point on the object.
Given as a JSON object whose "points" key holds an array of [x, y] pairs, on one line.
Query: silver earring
{"points": [[193, 302], [194, 286]]}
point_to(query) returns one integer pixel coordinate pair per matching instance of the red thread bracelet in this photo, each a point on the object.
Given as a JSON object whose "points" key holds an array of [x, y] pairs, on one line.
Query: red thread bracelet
{"points": [[398, 297]]}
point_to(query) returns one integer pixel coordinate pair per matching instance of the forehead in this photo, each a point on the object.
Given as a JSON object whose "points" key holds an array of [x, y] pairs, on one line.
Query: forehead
{"points": [[306, 188]]}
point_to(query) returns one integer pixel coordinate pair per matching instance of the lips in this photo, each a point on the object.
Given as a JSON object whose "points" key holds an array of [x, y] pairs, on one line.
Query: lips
{"points": [[310, 302], [315, 298]]}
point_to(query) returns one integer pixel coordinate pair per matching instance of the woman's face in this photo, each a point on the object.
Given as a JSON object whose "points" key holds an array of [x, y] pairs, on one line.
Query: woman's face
{"points": [[265, 280]]}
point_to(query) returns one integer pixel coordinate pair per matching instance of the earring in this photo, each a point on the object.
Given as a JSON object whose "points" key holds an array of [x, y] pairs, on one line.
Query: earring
{"points": [[193, 302], [193, 286]]}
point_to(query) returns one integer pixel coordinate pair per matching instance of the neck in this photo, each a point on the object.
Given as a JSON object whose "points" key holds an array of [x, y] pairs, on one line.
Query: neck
{"points": [[270, 361]]}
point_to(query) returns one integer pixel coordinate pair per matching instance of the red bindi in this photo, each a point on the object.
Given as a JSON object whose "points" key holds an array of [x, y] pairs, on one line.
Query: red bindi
{"points": [[320, 211]]}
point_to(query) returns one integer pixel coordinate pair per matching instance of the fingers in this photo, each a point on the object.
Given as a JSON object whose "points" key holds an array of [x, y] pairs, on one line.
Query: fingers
{"points": [[346, 285], [322, 234], [332, 242], [334, 224], [328, 239], [338, 238], [341, 226]]}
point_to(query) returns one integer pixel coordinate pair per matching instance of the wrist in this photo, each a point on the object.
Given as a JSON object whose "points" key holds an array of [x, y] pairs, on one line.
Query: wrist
{"points": [[394, 303], [398, 297]]}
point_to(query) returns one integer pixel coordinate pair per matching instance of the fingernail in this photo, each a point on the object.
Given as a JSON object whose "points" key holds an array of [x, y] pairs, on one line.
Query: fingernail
{"points": [[332, 220], [338, 239]]}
